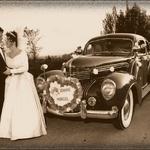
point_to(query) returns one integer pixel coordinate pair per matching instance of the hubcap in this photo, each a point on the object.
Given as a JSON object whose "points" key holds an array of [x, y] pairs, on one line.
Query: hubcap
{"points": [[126, 109]]}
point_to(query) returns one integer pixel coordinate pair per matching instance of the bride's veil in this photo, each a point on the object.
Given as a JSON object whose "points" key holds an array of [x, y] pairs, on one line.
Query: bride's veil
{"points": [[21, 40]]}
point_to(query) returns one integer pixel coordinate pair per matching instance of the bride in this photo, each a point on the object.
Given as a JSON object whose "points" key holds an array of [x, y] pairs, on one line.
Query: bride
{"points": [[22, 115]]}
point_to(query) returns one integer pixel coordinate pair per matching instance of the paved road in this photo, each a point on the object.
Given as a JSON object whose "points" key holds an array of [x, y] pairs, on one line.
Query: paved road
{"points": [[74, 133]]}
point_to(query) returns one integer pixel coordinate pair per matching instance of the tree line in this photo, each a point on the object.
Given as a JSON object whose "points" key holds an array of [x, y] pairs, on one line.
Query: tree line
{"points": [[132, 20]]}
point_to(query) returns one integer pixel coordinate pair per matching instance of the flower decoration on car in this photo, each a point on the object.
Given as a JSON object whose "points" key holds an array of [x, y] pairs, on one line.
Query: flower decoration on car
{"points": [[40, 83], [63, 94], [44, 67]]}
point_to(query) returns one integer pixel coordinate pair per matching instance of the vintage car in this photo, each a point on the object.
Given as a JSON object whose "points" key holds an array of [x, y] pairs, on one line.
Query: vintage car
{"points": [[106, 81]]}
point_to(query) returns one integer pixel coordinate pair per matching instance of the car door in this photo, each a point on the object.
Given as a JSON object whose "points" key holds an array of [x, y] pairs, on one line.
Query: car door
{"points": [[143, 58]]}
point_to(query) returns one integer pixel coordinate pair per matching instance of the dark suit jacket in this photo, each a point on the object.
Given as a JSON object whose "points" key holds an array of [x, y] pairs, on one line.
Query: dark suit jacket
{"points": [[2, 67], [2, 81]]}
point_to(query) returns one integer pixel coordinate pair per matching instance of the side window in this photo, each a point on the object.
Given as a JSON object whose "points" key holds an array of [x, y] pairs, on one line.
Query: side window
{"points": [[97, 47], [142, 45]]}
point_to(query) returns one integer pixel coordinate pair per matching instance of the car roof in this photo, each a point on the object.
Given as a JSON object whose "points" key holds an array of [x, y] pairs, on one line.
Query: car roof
{"points": [[131, 36]]}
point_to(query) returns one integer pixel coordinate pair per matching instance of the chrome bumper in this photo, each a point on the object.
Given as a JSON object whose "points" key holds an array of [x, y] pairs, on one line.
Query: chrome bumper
{"points": [[84, 113]]}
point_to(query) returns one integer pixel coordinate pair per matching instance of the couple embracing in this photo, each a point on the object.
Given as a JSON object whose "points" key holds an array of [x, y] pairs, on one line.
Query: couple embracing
{"points": [[21, 114]]}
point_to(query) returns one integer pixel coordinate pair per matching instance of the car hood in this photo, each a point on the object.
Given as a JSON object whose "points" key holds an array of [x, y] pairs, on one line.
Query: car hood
{"points": [[93, 61]]}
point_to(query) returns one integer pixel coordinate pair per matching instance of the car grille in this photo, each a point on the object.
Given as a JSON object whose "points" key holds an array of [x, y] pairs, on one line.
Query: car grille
{"points": [[79, 73]]}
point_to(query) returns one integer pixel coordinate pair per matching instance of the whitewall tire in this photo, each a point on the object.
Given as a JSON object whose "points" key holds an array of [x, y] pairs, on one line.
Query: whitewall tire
{"points": [[124, 118]]}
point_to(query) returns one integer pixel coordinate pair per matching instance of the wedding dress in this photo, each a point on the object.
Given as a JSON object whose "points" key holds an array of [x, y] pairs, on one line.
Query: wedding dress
{"points": [[22, 115]]}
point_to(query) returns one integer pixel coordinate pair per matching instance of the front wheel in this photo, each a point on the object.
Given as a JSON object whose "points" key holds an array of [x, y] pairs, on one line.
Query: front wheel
{"points": [[124, 118]]}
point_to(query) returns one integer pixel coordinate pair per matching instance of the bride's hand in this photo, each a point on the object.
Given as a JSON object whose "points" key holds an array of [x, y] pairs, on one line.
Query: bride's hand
{"points": [[7, 72]]}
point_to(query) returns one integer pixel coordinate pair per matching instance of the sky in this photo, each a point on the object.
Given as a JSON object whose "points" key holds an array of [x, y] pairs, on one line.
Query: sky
{"points": [[63, 25]]}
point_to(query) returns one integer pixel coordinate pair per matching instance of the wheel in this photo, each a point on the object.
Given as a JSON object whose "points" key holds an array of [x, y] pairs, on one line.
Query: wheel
{"points": [[124, 118]]}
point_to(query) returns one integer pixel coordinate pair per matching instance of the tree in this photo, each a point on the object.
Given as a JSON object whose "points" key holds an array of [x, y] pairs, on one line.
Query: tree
{"points": [[32, 37], [114, 15], [147, 28], [108, 24], [120, 22], [133, 20]]}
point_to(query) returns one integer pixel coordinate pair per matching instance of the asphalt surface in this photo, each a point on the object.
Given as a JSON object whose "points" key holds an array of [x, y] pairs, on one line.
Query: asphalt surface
{"points": [[74, 133]]}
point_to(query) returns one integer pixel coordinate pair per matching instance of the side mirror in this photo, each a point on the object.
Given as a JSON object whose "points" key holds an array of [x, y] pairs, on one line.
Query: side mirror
{"points": [[78, 50]]}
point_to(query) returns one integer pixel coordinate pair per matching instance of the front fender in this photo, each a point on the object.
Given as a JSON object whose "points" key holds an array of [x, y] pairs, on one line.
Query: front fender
{"points": [[52, 72], [124, 82]]}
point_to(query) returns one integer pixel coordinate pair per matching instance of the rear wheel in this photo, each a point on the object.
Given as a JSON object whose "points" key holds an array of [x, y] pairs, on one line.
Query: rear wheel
{"points": [[124, 118]]}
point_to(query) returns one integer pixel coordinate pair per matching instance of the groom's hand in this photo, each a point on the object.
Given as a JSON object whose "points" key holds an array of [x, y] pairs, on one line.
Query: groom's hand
{"points": [[7, 72]]}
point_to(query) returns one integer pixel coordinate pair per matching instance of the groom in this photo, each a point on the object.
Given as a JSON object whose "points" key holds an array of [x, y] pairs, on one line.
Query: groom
{"points": [[2, 69]]}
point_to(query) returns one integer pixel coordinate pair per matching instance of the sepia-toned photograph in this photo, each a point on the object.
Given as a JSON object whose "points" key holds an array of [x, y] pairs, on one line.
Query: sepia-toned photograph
{"points": [[75, 74]]}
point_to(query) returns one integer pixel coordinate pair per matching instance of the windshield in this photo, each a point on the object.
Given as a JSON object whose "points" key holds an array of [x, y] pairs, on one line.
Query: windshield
{"points": [[110, 47]]}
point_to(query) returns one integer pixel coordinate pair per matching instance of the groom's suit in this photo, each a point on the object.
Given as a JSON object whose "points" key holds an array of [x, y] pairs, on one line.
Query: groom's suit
{"points": [[2, 79]]}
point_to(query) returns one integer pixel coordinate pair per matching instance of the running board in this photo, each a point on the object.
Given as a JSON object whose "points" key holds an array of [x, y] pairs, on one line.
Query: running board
{"points": [[145, 90]]}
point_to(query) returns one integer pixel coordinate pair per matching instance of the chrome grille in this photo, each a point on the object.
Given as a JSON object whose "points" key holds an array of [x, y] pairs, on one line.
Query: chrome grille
{"points": [[79, 73]]}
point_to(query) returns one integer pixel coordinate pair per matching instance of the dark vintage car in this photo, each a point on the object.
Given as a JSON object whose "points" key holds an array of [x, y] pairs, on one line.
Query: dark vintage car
{"points": [[106, 81]]}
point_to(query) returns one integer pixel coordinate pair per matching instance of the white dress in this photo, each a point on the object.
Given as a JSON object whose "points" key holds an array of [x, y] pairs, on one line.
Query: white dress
{"points": [[22, 115]]}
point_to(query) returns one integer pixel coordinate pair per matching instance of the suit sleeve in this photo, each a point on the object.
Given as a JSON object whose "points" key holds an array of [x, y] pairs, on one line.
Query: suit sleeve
{"points": [[2, 64], [24, 66]]}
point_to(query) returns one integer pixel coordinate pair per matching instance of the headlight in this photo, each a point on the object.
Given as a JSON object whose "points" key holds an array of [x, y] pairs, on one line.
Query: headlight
{"points": [[40, 83], [108, 89]]}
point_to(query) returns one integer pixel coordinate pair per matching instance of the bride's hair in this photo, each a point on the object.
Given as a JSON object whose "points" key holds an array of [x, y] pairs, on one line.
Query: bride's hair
{"points": [[13, 37]]}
